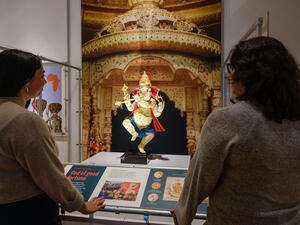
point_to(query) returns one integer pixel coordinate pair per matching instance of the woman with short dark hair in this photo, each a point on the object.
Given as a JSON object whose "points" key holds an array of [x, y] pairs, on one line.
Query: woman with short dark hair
{"points": [[248, 154], [32, 179], [16, 68]]}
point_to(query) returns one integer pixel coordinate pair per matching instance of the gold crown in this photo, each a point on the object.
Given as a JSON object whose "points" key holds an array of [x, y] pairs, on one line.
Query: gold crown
{"points": [[144, 81]]}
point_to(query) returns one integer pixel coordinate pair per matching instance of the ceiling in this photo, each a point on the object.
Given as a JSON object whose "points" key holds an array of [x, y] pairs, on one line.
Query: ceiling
{"points": [[205, 13]]}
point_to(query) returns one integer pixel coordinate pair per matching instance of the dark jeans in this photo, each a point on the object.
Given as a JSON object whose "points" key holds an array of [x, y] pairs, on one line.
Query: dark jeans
{"points": [[38, 210]]}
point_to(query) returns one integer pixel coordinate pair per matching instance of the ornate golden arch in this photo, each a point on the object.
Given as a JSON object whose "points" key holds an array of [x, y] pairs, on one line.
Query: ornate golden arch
{"points": [[183, 84]]}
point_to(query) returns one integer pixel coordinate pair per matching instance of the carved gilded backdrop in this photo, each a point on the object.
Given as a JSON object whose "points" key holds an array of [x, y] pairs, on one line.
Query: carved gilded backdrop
{"points": [[176, 42]]}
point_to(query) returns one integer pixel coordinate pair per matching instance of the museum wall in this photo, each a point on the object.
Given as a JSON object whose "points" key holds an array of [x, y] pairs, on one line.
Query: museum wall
{"points": [[239, 15], [41, 27], [36, 26]]}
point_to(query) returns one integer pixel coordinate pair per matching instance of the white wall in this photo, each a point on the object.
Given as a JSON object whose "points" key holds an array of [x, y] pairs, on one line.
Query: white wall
{"points": [[38, 26], [239, 15], [62, 145]]}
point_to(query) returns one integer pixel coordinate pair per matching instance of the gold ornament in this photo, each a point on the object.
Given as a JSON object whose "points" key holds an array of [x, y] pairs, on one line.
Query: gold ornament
{"points": [[145, 81]]}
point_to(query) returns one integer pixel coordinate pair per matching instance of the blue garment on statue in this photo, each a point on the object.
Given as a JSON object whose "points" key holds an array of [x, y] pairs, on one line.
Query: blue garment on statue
{"points": [[143, 131]]}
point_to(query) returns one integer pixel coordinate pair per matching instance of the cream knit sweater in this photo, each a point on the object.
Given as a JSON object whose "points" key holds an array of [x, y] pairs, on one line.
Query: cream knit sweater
{"points": [[29, 165]]}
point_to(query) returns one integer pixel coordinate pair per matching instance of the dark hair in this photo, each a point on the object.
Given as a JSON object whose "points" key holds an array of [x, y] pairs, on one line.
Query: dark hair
{"points": [[16, 69], [270, 75], [27, 103]]}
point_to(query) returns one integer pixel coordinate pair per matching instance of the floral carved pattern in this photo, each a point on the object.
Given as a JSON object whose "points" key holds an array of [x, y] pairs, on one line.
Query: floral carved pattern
{"points": [[148, 21], [182, 25], [176, 61], [177, 95]]}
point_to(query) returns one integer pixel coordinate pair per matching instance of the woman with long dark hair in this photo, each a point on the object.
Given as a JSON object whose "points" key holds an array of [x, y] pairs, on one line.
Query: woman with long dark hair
{"points": [[32, 180], [248, 156]]}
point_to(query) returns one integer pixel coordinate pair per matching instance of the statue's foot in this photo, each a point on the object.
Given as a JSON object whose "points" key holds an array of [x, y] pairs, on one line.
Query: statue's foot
{"points": [[134, 136], [141, 149]]}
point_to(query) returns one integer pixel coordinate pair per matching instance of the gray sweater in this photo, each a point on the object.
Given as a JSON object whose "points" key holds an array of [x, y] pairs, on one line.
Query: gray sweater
{"points": [[29, 165], [248, 166]]}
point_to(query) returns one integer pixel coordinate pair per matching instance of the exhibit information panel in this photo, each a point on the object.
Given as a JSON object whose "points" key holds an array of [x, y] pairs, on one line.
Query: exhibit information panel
{"points": [[163, 188], [122, 186], [142, 188], [84, 178]]}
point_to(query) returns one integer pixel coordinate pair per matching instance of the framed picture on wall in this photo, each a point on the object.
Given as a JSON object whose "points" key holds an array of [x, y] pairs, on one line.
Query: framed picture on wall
{"points": [[50, 104]]}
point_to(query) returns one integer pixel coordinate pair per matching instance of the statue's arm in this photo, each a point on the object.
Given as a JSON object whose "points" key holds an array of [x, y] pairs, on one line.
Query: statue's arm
{"points": [[158, 108], [128, 103]]}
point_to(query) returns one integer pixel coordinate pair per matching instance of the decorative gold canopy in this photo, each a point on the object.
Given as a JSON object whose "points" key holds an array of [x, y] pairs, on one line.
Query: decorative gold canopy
{"points": [[148, 27]]}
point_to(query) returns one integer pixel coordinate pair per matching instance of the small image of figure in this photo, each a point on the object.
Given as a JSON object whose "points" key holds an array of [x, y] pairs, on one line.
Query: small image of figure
{"points": [[153, 197], [156, 185], [158, 174]]}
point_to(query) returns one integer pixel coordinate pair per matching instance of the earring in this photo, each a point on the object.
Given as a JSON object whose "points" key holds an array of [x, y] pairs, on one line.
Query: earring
{"points": [[26, 89]]}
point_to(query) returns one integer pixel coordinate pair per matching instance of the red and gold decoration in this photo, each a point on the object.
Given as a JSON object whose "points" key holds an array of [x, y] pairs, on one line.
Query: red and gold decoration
{"points": [[54, 120], [35, 104]]}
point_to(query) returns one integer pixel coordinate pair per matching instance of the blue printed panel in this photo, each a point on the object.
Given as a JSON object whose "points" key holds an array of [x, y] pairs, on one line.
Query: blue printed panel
{"points": [[163, 189], [85, 178]]}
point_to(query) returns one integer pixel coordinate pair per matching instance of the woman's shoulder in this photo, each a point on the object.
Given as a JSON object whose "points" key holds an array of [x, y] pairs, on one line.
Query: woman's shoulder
{"points": [[240, 107], [25, 118], [12, 111], [241, 112]]}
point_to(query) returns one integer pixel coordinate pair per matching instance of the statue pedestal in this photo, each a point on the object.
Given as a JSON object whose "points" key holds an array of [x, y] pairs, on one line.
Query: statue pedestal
{"points": [[135, 158]]}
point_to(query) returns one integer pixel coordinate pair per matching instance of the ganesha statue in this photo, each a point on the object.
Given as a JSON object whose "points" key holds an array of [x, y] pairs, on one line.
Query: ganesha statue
{"points": [[145, 105]]}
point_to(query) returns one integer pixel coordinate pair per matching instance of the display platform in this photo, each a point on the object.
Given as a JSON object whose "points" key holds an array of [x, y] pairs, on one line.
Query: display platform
{"points": [[151, 189], [135, 157], [156, 161]]}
